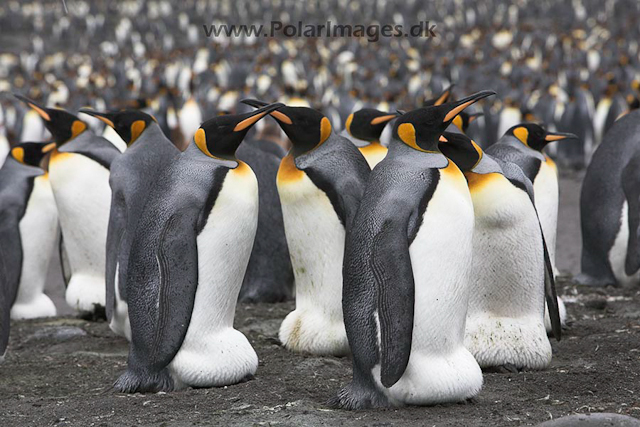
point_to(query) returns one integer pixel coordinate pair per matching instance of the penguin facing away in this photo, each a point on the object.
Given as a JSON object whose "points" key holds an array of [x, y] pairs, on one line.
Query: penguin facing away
{"points": [[188, 256], [512, 274], [609, 208], [406, 273], [131, 178], [367, 125], [21, 249], [38, 235], [320, 183], [79, 176]]}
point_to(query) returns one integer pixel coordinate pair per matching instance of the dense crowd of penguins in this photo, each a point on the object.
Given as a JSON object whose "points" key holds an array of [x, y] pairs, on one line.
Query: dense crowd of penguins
{"points": [[416, 229]]}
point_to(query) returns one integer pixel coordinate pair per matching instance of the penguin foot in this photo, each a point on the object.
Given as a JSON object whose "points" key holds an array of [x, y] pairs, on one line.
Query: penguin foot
{"points": [[98, 314], [587, 280], [132, 382], [507, 368], [354, 397]]}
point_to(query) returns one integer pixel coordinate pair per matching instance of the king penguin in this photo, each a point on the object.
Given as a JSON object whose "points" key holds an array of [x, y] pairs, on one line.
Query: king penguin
{"points": [[132, 176], [610, 208], [367, 125], [79, 175], [320, 183], [407, 271], [188, 256], [512, 274], [28, 232], [523, 145]]}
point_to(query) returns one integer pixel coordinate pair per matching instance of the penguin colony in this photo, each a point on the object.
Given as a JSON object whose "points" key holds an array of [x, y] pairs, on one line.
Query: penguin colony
{"points": [[425, 255]]}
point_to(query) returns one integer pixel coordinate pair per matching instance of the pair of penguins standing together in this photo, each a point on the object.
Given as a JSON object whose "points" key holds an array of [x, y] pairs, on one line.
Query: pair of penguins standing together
{"points": [[408, 228]]}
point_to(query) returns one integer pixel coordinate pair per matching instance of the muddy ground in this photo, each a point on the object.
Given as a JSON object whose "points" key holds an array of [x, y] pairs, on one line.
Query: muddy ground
{"points": [[59, 371]]}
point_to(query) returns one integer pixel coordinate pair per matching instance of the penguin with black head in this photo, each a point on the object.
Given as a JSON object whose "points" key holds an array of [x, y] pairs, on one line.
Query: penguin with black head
{"points": [[512, 274], [79, 175], [367, 125], [320, 183], [148, 152], [407, 272], [189, 253], [28, 233]]}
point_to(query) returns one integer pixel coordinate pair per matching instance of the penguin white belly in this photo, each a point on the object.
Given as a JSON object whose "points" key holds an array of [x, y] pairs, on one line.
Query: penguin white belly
{"points": [[38, 233], [315, 237], [505, 323], [600, 118], [440, 368], [618, 252], [83, 197], [4, 149], [546, 192], [213, 352], [120, 324]]}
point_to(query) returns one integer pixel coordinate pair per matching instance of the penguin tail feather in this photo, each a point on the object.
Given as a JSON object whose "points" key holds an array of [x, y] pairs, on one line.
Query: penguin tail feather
{"points": [[144, 382]]}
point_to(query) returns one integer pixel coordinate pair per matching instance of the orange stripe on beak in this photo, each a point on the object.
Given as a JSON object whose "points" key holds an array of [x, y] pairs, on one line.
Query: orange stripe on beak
{"points": [[282, 117], [451, 114], [551, 137], [248, 122], [40, 111], [383, 119]]}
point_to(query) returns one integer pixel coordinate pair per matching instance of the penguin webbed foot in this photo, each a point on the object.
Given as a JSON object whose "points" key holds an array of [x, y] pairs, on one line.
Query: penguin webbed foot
{"points": [[98, 314], [354, 397], [144, 382]]}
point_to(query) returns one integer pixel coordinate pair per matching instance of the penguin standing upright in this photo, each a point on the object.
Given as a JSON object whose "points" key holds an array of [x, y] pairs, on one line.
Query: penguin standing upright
{"points": [[189, 253], [320, 183], [269, 276], [406, 273], [28, 231], [609, 208], [148, 151], [79, 175], [512, 274], [367, 125]]}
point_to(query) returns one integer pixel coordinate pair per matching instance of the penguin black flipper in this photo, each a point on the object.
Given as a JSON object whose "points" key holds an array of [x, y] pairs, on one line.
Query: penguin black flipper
{"points": [[517, 176], [631, 188], [97, 148], [393, 274], [10, 257]]}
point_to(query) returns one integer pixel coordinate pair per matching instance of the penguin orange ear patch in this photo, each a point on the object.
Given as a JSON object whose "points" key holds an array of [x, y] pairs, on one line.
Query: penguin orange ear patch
{"points": [[18, 154], [522, 134], [136, 129], [200, 138], [77, 128], [457, 120], [347, 124], [325, 129]]}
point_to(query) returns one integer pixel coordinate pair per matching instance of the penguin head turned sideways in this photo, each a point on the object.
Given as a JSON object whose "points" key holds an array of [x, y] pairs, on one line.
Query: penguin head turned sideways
{"points": [[367, 124], [461, 149], [63, 125], [221, 136], [421, 128], [535, 136], [31, 153], [306, 128], [129, 124]]}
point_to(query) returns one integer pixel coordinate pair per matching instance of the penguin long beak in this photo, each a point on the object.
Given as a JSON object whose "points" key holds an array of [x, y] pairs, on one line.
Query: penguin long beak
{"points": [[559, 136], [458, 106], [384, 119], [278, 115], [256, 115], [444, 96], [103, 117], [50, 146], [42, 111]]}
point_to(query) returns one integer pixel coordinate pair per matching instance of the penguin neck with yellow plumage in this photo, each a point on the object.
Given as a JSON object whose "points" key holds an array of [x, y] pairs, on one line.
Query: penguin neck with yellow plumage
{"points": [[62, 125]]}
